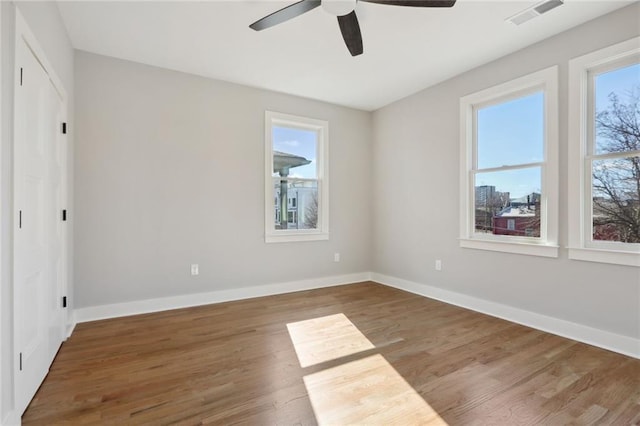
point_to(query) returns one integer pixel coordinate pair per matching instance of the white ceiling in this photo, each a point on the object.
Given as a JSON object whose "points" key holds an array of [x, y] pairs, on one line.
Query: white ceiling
{"points": [[405, 49]]}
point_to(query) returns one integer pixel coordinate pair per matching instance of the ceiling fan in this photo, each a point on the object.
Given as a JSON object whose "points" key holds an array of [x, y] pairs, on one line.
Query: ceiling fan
{"points": [[345, 11]]}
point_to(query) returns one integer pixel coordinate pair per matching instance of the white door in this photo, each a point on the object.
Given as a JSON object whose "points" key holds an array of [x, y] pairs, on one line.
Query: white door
{"points": [[37, 330], [57, 218]]}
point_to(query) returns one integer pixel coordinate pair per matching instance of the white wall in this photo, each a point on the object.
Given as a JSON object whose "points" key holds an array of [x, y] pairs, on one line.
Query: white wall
{"points": [[416, 198], [170, 171], [45, 22]]}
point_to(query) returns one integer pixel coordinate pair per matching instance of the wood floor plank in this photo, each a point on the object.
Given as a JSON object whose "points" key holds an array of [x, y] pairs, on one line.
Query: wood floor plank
{"points": [[236, 363]]}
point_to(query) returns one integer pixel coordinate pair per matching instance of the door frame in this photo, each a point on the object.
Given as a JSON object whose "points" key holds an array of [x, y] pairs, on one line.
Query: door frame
{"points": [[24, 34]]}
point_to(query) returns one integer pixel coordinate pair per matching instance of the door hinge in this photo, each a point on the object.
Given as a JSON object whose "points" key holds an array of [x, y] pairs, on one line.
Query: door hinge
{"points": [[20, 76], [64, 128], [64, 215], [20, 361], [20, 219]]}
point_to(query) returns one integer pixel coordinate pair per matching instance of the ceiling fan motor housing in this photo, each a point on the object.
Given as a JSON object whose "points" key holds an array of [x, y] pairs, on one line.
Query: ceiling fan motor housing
{"points": [[339, 7]]}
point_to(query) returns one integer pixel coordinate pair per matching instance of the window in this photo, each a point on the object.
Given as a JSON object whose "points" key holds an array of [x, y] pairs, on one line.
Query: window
{"points": [[604, 152], [296, 176], [509, 166], [293, 218]]}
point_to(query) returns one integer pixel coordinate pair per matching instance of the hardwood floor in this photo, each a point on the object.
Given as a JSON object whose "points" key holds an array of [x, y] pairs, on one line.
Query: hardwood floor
{"points": [[236, 363]]}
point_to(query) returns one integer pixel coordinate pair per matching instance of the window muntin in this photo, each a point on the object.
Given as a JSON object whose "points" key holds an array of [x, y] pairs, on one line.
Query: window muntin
{"points": [[296, 173], [509, 166]]}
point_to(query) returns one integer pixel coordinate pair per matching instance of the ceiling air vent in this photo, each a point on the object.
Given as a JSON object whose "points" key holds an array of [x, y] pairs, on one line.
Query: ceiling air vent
{"points": [[534, 11]]}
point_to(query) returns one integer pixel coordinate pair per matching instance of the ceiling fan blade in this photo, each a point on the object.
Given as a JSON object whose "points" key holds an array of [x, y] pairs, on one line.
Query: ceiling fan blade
{"points": [[285, 14], [414, 3], [351, 32]]}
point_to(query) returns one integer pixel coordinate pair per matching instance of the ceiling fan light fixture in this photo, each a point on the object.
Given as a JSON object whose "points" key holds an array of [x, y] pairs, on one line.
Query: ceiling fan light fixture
{"points": [[339, 7]]}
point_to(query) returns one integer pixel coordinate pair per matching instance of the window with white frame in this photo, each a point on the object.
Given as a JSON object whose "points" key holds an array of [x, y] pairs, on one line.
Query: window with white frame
{"points": [[296, 178], [509, 166], [604, 153]]}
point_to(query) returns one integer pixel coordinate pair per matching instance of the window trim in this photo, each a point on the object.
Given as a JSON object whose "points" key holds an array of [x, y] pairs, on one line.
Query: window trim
{"points": [[580, 146], [273, 235], [547, 244]]}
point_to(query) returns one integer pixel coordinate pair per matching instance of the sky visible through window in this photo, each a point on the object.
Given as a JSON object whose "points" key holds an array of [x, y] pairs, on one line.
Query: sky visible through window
{"points": [[622, 82], [511, 133], [297, 142]]}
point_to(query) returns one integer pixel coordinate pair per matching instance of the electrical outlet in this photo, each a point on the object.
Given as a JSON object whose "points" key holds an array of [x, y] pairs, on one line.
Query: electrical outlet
{"points": [[336, 257], [195, 270], [438, 265]]}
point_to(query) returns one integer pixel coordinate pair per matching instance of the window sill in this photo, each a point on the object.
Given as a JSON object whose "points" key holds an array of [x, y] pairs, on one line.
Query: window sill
{"points": [[289, 237], [511, 247], [605, 256]]}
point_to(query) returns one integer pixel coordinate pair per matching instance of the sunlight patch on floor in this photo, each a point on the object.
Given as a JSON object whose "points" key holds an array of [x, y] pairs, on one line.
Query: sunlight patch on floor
{"points": [[367, 391], [327, 338]]}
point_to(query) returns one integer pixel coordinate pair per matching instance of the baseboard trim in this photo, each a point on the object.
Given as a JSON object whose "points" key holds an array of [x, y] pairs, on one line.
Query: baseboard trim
{"points": [[71, 326], [614, 342], [94, 313], [11, 419], [582, 333]]}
